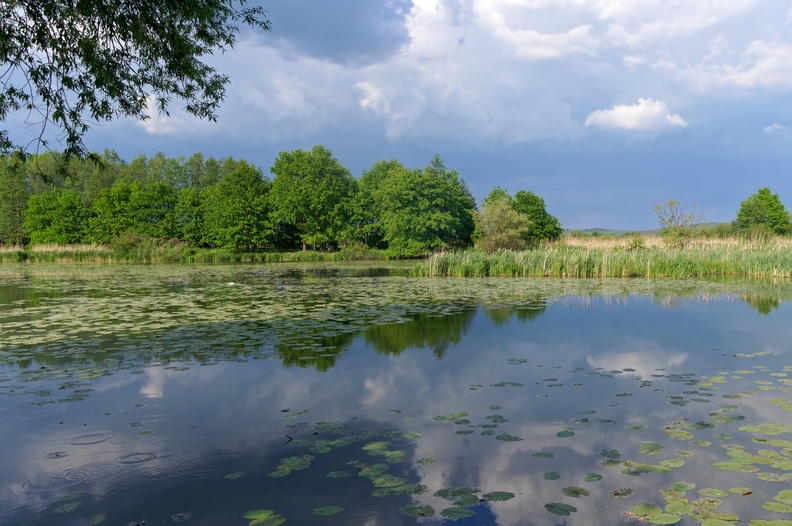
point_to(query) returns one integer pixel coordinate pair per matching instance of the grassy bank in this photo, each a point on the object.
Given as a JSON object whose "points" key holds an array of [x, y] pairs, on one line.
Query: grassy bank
{"points": [[562, 260], [166, 252]]}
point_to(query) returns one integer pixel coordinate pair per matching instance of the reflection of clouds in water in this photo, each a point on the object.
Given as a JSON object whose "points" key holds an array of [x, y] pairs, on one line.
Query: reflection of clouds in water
{"points": [[155, 383], [645, 362]]}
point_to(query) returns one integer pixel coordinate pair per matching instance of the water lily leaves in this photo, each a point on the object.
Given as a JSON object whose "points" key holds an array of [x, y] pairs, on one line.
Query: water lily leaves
{"points": [[592, 477], [683, 485], [505, 384], [778, 507], [257, 514], [464, 432], [610, 454], [417, 510], [338, 474], [622, 493], [566, 433], [636, 427], [496, 419], [459, 496], [711, 521], [647, 510], [69, 507], [494, 408], [784, 496], [498, 496], [376, 446], [650, 448], [664, 518], [672, 463], [713, 492], [679, 508], [411, 435], [559, 508], [404, 489], [388, 481], [426, 461], [506, 437], [551, 475], [574, 491], [457, 513], [373, 471], [326, 511]]}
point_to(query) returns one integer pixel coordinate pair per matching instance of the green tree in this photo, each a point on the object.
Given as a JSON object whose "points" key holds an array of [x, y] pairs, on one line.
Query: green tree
{"points": [[499, 226], [131, 207], [762, 210], [309, 191], [425, 210], [57, 217], [364, 224], [236, 209], [71, 63], [544, 226], [14, 194]]}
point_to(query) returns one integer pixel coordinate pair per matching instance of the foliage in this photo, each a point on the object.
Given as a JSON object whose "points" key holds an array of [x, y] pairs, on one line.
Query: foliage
{"points": [[14, 194], [56, 217], [543, 226], [677, 223], [70, 64], [499, 226], [309, 191], [235, 210], [129, 207], [762, 209], [425, 210]]}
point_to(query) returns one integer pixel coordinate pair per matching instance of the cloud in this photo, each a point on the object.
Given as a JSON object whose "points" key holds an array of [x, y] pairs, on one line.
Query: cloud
{"points": [[773, 128], [647, 115]]}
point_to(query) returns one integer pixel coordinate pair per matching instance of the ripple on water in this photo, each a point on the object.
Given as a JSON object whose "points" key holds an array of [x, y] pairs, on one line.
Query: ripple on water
{"points": [[90, 439], [96, 471], [50, 482], [136, 458], [57, 454]]}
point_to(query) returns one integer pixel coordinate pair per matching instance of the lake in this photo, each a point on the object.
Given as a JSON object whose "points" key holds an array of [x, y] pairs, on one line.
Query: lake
{"points": [[348, 394]]}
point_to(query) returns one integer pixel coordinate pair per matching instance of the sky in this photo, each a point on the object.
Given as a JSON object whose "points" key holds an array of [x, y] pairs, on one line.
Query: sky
{"points": [[602, 107]]}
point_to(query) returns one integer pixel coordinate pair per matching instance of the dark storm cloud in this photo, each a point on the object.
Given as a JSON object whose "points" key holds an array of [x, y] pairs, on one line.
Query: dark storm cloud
{"points": [[356, 32]]}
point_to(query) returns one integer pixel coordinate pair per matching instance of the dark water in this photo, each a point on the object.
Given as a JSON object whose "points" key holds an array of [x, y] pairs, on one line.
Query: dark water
{"points": [[195, 395]]}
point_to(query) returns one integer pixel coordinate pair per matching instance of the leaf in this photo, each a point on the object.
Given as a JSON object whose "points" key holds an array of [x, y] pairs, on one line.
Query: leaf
{"points": [[664, 518], [592, 477], [457, 513], [574, 491], [713, 492], [326, 511], [417, 510], [506, 437], [498, 496], [552, 475], [559, 508]]}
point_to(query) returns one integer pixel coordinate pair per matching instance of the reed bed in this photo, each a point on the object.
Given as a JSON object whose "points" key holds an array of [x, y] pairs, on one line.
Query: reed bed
{"points": [[563, 260]]}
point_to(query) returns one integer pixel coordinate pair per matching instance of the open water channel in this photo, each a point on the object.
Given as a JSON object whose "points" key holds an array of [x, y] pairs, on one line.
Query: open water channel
{"points": [[308, 395]]}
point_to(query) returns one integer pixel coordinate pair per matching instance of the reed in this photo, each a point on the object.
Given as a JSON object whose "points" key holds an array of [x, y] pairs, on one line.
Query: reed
{"points": [[563, 260]]}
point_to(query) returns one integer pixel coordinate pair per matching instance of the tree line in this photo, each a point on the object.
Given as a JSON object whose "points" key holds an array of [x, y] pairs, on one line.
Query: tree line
{"points": [[311, 201]]}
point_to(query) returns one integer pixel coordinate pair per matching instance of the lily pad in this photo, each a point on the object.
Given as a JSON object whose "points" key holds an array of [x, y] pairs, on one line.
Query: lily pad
{"points": [[574, 491], [506, 437], [592, 477], [326, 511], [457, 513], [559, 508], [498, 496], [552, 475]]}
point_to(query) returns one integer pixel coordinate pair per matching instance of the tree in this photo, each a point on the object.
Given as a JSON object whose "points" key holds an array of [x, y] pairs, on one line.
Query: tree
{"points": [[675, 219], [309, 191], [762, 210], [236, 208], [71, 63], [14, 194], [544, 226], [424, 210], [56, 217], [499, 226]]}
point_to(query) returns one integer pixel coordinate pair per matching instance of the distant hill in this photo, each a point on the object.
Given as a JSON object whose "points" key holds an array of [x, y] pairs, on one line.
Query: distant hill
{"points": [[608, 231]]}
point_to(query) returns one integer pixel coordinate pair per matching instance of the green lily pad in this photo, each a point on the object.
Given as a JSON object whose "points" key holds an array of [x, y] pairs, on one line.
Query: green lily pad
{"points": [[257, 514], [622, 493], [713, 492], [664, 518], [559, 508], [611, 454], [565, 434], [338, 474], [498, 496], [235, 475], [647, 510], [412, 435], [506, 437], [679, 508], [574, 491], [778, 507], [457, 513], [650, 448], [592, 477], [326, 511], [672, 463], [683, 486], [552, 475], [784, 496]]}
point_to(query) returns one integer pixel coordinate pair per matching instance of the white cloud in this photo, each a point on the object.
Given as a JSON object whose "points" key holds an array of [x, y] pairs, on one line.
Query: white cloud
{"points": [[373, 98], [647, 115], [773, 128]]}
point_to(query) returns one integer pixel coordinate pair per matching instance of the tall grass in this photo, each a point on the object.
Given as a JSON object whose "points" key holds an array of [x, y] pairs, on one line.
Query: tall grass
{"points": [[562, 260]]}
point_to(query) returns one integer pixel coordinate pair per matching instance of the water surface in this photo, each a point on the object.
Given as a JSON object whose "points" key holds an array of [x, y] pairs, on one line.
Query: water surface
{"points": [[346, 396]]}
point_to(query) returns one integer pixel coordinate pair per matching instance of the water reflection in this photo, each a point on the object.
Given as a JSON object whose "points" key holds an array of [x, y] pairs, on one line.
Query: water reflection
{"points": [[191, 421]]}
